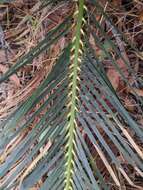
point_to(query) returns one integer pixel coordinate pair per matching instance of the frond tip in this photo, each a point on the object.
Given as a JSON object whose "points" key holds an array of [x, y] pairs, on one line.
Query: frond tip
{"points": [[74, 79]]}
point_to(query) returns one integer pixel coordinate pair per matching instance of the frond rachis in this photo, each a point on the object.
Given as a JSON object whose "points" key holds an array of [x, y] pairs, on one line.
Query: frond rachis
{"points": [[74, 80]]}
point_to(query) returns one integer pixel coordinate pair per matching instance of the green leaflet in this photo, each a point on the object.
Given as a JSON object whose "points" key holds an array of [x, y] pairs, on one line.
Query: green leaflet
{"points": [[6, 1], [74, 68], [49, 39]]}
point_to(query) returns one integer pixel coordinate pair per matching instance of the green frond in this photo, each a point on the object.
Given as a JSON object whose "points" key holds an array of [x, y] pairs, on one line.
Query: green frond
{"points": [[83, 136]]}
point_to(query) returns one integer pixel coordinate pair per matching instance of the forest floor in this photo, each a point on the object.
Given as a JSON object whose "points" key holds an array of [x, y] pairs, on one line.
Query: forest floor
{"points": [[23, 26]]}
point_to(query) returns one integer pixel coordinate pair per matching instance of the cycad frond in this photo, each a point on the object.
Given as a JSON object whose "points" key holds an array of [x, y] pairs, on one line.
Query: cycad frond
{"points": [[82, 138]]}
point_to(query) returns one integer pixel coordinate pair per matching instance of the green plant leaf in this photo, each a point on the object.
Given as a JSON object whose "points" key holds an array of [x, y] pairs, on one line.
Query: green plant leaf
{"points": [[79, 114]]}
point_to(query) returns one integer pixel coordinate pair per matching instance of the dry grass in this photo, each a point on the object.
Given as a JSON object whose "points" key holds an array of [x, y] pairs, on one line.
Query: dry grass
{"points": [[24, 25]]}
